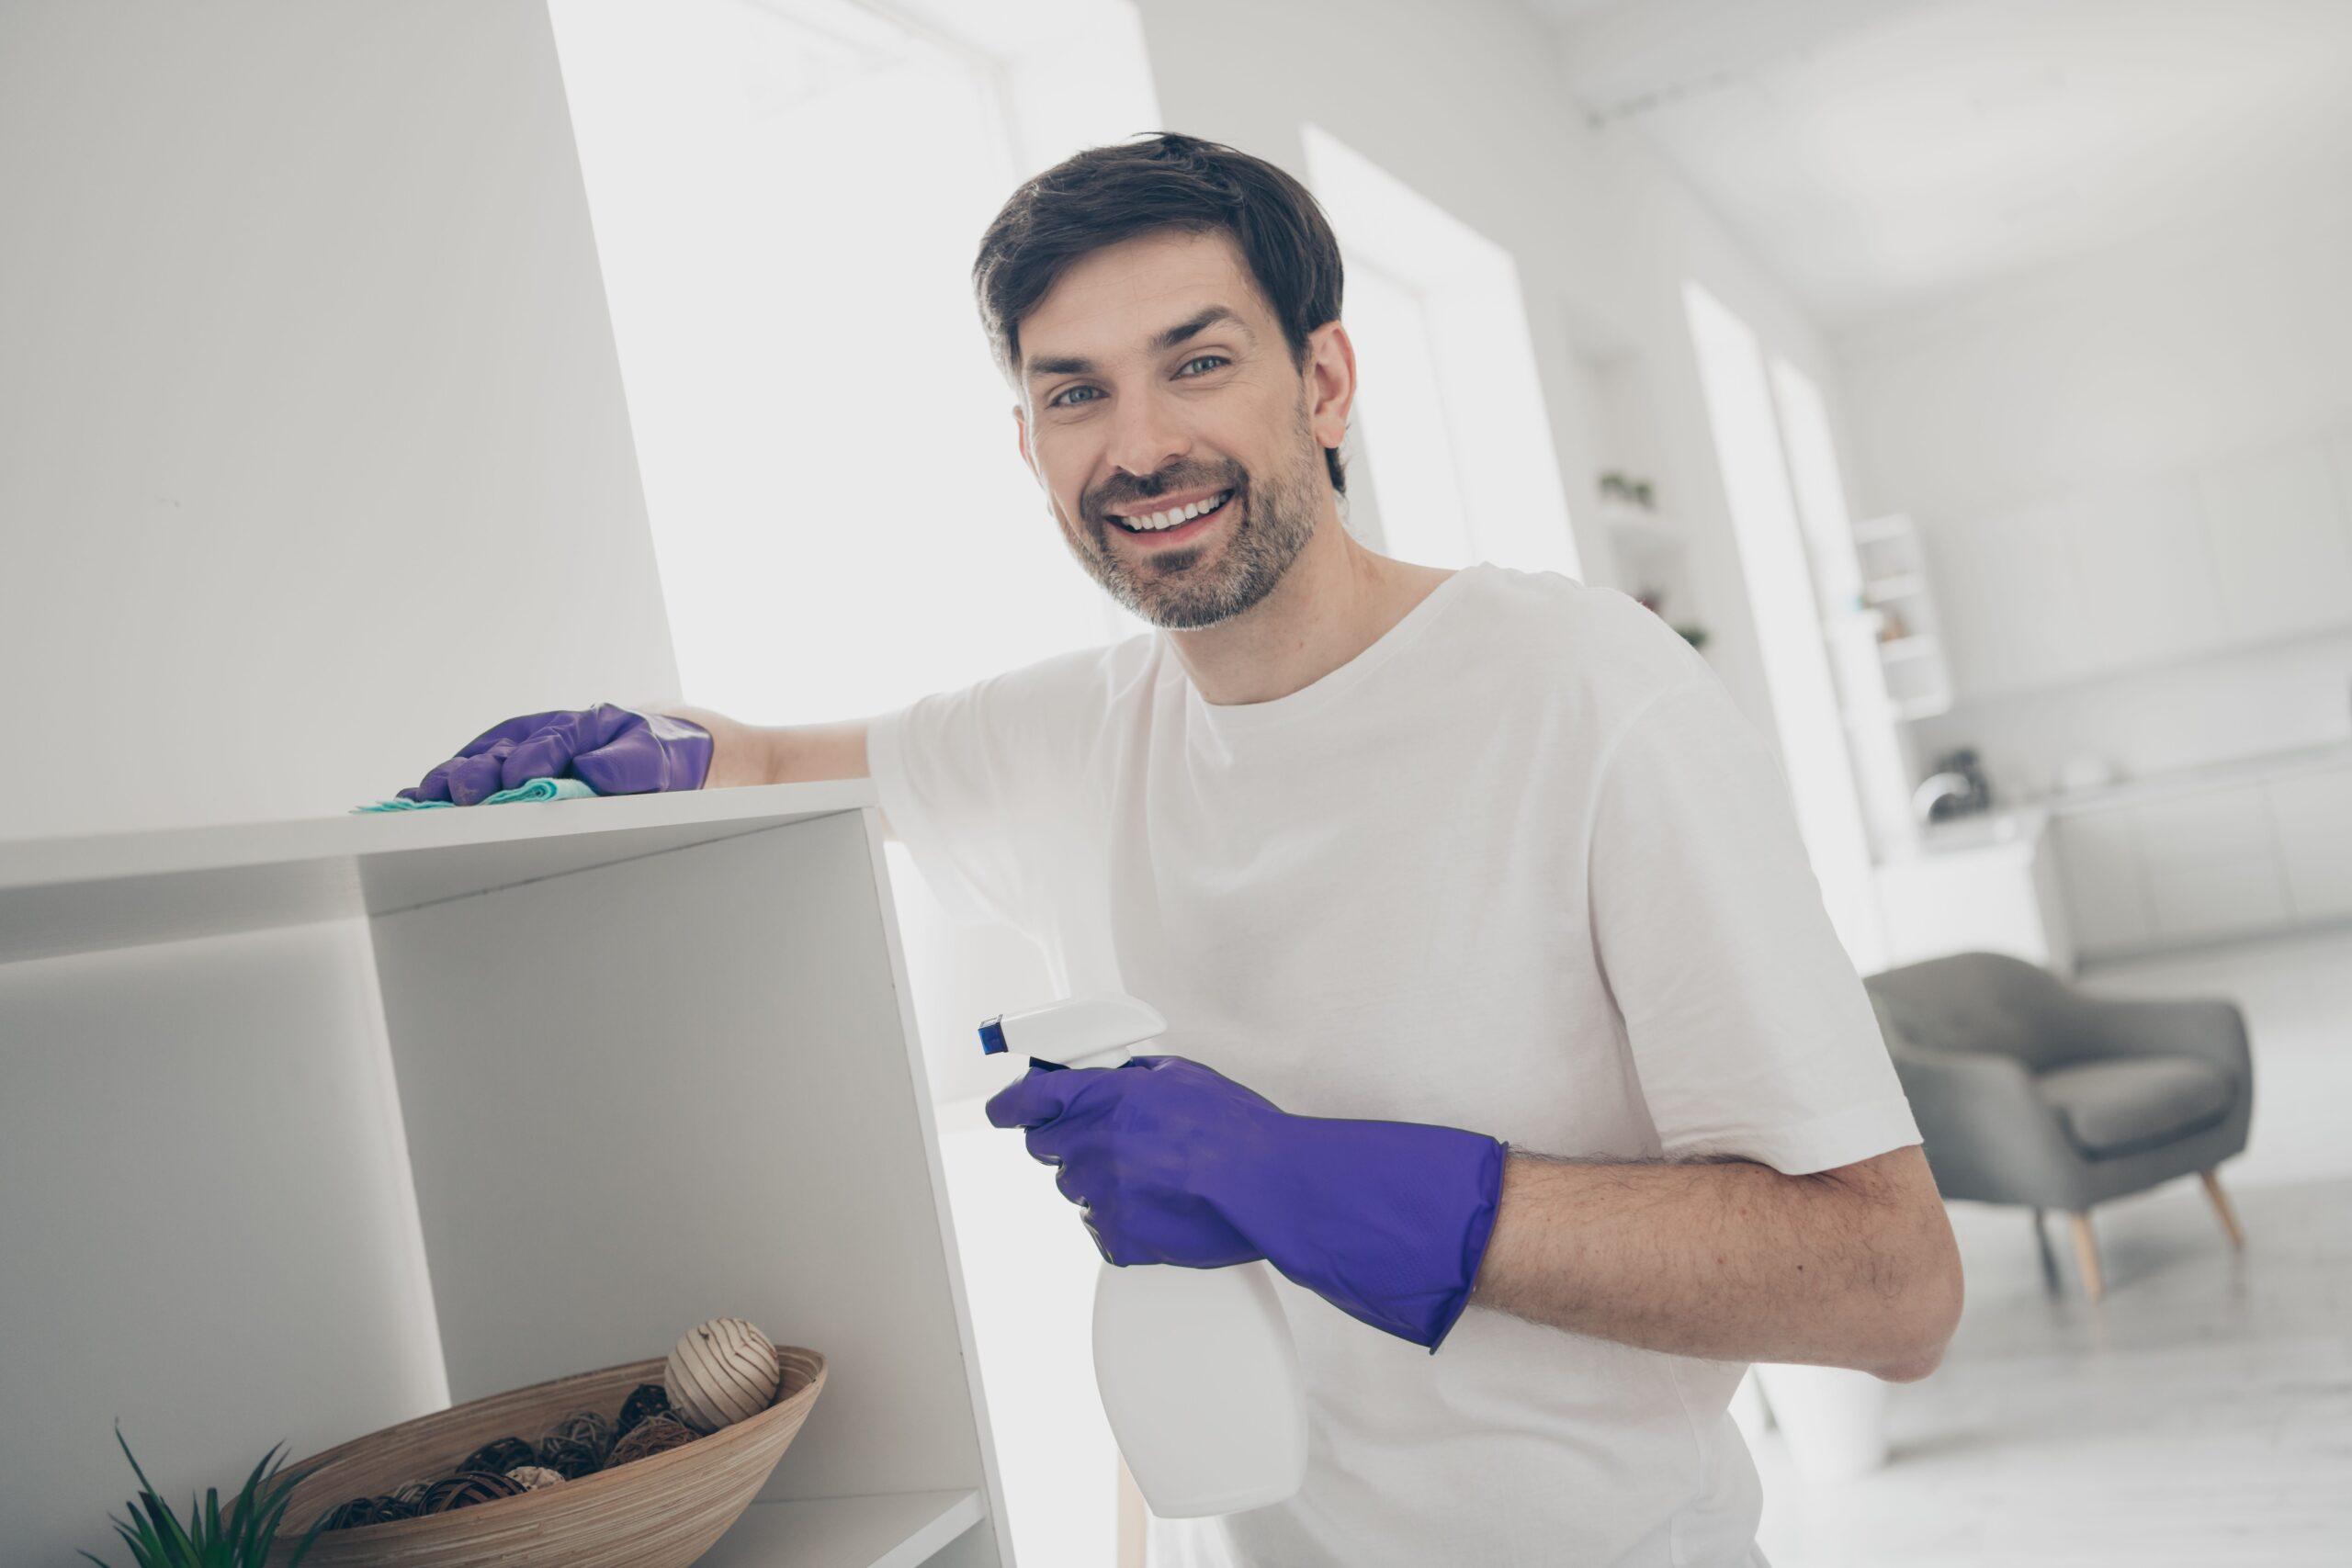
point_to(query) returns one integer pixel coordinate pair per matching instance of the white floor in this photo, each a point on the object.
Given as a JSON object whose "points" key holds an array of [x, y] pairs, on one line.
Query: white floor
{"points": [[2203, 1413]]}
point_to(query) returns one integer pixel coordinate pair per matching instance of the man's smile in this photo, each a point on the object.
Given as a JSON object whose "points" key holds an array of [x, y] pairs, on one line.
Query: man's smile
{"points": [[1171, 522]]}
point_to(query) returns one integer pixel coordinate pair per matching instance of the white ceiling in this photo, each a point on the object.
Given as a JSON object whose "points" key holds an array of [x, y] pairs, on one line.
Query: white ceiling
{"points": [[1875, 154]]}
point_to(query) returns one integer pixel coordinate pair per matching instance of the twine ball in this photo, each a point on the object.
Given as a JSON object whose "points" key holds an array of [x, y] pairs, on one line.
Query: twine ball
{"points": [[654, 1434], [467, 1488], [646, 1399], [501, 1455], [722, 1371], [576, 1446], [358, 1511], [534, 1476]]}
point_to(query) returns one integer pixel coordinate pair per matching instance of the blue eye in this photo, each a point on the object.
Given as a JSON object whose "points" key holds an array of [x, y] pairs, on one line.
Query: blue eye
{"points": [[1067, 397]]}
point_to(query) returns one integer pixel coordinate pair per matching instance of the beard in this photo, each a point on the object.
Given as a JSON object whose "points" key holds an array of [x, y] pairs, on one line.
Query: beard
{"points": [[1273, 515]]}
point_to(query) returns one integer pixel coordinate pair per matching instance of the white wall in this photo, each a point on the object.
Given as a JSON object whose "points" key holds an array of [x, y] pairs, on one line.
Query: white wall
{"points": [[1467, 104], [314, 463], [2140, 364], [313, 459]]}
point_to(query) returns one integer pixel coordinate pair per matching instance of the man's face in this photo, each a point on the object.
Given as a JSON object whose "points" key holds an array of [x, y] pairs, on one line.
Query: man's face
{"points": [[1155, 376]]}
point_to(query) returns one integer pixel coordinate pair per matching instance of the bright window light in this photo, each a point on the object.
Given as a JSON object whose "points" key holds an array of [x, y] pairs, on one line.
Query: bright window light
{"points": [[1405, 441], [786, 197], [786, 201], [1454, 428], [1788, 622]]}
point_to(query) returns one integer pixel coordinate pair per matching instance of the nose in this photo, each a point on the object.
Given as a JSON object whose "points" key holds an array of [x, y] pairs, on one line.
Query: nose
{"points": [[1145, 436]]}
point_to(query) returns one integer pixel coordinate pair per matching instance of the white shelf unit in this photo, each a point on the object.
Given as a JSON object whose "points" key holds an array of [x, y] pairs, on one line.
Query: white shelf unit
{"points": [[655, 1060], [1898, 615], [1651, 554]]}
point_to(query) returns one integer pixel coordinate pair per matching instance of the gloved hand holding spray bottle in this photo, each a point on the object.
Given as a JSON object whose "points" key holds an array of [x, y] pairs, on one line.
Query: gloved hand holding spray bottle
{"points": [[1389, 1220]]}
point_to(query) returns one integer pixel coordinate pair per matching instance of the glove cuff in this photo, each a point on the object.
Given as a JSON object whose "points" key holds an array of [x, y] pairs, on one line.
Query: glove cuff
{"points": [[1473, 1240], [686, 749], [1387, 1220]]}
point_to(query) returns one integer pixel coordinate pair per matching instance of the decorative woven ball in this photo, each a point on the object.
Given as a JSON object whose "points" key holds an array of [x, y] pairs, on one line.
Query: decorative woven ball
{"points": [[722, 1372], [358, 1511], [501, 1454], [654, 1434], [646, 1399], [576, 1446], [467, 1488], [534, 1476], [410, 1495]]}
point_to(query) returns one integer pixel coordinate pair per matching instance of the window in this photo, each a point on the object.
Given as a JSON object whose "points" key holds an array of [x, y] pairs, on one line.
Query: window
{"points": [[1774, 565], [787, 200], [1453, 424], [786, 197]]}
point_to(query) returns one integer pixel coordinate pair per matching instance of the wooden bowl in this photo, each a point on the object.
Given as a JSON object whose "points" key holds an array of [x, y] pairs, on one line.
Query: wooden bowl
{"points": [[663, 1511]]}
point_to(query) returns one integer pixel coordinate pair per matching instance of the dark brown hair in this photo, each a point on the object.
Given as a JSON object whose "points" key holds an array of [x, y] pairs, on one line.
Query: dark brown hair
{"points": [[1105, 194]]}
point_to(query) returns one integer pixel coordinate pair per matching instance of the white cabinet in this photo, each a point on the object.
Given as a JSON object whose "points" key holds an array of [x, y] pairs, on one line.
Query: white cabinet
{"points": [[2141, 555], [2162, 568], [2282, 554], [2313, 816], [2211, 863], [2011, 597], [617, 1064], [1982, 885], [2106, 906], [2241, 851]]}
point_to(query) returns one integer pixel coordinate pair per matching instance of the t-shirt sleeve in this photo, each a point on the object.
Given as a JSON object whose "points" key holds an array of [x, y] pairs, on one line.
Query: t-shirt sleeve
{"points": [[969, 777], [1750, 1032]]}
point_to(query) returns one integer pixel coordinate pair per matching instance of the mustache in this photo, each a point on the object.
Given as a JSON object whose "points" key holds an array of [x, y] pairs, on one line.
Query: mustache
{"points": [[1114, 497]]}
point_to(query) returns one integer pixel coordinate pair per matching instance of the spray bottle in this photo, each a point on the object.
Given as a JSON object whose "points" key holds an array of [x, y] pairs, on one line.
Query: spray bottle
{"points": [[1197, 1367]]}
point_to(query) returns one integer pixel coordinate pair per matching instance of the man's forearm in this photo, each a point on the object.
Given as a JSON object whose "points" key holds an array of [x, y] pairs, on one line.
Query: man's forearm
{"points": [[792, 753], [1723, 1259]]}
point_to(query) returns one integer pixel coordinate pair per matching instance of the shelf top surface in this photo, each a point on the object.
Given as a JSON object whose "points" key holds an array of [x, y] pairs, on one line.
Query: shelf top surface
{"points": [[69, 895], [900, 1530]]}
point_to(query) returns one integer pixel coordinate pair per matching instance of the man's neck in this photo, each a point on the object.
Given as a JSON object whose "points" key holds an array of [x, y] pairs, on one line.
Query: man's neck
{"points": [[1337, 599]]}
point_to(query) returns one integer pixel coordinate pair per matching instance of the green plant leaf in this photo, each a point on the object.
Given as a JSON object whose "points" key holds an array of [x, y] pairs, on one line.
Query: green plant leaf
{"points": [[244, 1514], [144, 1547], [176, 1544], [249, 1517], [241, 1539]]}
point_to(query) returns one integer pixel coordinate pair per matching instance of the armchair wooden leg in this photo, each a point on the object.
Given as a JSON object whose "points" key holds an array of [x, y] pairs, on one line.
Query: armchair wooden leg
{"points": [[2086, 1255], [2221, 1206]]}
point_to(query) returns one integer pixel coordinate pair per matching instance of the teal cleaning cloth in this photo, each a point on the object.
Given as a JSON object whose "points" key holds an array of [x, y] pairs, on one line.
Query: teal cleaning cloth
{"points": [[537, 789]]}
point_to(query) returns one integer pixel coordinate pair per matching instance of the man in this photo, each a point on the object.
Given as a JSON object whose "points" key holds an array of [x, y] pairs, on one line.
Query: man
{"points": [[1513, 1032]]}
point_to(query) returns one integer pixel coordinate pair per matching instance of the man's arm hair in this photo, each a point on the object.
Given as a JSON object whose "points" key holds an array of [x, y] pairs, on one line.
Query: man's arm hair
{"points": [[781, 753]]}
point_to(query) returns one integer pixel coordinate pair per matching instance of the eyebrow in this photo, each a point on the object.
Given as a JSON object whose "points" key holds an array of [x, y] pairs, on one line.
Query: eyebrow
{"points": [[1215, 315]]}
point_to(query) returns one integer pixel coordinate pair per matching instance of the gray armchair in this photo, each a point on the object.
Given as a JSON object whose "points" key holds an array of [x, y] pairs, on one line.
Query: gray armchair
{"points": [[2029, 1091]]}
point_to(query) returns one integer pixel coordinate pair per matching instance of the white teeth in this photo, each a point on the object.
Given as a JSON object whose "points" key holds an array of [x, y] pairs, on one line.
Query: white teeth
{"points": [[1155, 521]]}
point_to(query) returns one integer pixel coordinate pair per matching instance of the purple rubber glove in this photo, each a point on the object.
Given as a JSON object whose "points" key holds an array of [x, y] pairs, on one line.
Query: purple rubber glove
{"points": [[1173, 1162], [613, 751]]}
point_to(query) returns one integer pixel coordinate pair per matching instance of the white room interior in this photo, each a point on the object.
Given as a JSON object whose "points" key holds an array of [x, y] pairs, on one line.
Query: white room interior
{"points": [[369, 373]]}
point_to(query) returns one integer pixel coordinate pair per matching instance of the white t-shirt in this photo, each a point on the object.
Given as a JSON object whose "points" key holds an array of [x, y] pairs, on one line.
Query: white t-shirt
{"points": [[1520, 866]]}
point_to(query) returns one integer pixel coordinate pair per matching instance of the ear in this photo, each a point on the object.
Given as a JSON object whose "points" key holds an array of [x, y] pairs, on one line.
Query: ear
{"points": [[1330, 372], [1021, 437]]}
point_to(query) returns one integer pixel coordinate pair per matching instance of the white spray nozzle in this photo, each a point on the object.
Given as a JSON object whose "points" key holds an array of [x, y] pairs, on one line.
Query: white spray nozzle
{"points": [[1090, 1030]]}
